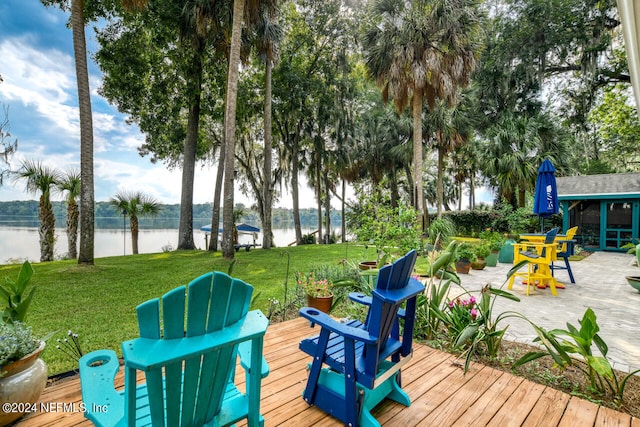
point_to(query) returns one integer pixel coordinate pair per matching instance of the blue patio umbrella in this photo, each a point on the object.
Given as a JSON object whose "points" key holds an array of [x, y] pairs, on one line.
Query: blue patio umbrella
{"points": [[545, 202]]}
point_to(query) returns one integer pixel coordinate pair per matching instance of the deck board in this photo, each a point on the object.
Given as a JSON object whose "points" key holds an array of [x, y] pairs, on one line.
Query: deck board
{"points": [[440, 393]]}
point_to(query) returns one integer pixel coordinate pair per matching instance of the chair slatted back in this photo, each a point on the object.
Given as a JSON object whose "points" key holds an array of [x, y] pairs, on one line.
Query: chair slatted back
{"points": [[562, 248], [191, 391], [382, 318]]}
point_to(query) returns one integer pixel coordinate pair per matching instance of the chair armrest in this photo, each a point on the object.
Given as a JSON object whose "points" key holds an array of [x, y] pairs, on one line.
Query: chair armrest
{"points": [[244, 351], [360, 298], [145, 353], [326, 321], [98, 369], [413, 288]]}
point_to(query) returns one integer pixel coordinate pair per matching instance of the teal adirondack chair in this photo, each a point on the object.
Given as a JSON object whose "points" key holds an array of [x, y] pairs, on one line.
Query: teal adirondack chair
{"points": [[189, 372], [363, 360]]}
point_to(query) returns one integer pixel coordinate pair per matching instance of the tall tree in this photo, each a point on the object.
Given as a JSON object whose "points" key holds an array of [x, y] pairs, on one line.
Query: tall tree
{"points": [[87, 196], [450, 128], [269, 34], [228, 225], [70, 183], [176, 48], [40, 178], [135, 205], [422, 50]]}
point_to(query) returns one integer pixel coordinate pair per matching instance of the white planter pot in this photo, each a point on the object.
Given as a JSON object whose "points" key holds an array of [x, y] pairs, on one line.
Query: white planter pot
{"points": [[21, 387]]}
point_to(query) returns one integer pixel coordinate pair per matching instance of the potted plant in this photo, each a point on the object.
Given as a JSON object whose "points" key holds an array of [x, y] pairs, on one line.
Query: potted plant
{"points": [[633, 281], [319, 290], [23, 375], [464, 256], [481, 251]]}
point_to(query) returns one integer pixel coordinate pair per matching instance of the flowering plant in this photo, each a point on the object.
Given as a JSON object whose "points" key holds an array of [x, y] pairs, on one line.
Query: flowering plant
{"points": [[314, 286], [460, 313]]}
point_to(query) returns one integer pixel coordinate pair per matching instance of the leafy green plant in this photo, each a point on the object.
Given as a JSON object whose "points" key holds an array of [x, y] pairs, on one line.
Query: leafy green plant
{"points": [[561, 343], [483, 331], [458, 314], [17, 340], [308, 239], [314, 286], [390, 229], [14, 292], [482, 249], [429, 316], [441, 229], [479, 329], [465, 251]]}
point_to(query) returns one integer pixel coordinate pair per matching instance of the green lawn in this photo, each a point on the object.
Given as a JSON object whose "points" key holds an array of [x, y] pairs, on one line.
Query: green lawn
{"points": [[98, 302]]}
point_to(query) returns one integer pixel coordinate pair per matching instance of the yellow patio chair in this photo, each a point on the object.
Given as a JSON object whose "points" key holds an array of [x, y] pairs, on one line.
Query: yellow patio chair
{"points": [[564, 251], [539, 257]]}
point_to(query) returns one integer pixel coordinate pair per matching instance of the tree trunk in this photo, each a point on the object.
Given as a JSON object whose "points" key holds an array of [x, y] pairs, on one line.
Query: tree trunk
{"points": [[228, 249], [72, 229], [215, 213], [318, 162], [294, 187], [267, 234], [185, 232], [135, 227], [327, 209], [472, 192], [343, 225], [46, 228], [86, 135], [439, 189], [418, 193]]}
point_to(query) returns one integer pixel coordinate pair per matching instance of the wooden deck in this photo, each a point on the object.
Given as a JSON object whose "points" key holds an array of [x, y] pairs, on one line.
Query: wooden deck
{"points": [[440, 394]]}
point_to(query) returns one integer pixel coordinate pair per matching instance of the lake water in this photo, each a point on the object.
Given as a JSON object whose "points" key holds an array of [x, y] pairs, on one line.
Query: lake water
{"points": [[20, 243]]}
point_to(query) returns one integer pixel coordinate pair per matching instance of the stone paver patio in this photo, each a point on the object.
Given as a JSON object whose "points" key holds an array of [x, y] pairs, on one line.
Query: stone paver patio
{"points": [[600, 284]]}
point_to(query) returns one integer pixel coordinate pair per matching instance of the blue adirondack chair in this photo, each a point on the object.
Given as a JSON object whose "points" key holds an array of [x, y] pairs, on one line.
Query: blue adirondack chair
{"points": [[364, 359], [189, 372]]}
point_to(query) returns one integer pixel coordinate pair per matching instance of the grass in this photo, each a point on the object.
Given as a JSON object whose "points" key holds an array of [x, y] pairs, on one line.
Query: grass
{"points": [[98, 302]]}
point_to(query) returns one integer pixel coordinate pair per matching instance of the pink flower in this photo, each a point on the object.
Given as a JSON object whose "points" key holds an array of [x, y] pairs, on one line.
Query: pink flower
{"points": [[474, 313]]}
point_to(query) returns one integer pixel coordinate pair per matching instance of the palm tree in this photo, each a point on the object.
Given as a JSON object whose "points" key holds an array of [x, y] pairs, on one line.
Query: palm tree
{"points": [[228, 249], [269, 35], [420, 50], [87, 197], [134, 205], [70, 183], [451, 129], [40, 178]]}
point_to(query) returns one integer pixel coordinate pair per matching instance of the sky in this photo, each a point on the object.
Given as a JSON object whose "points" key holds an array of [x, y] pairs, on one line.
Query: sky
{"points": [[39, 88]]}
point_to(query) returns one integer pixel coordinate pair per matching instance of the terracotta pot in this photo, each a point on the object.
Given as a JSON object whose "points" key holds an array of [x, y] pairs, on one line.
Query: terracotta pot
{"points": [[463, 267], [368, 265], [23, 382], [479, 264], [320, 303]]}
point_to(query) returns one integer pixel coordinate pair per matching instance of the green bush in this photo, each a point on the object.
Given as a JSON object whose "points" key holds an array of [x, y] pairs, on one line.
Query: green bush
{"points": [[373, 220], [308, 239]]}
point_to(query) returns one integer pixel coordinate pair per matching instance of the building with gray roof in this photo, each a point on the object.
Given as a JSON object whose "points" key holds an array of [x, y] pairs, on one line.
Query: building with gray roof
{"points": [[606, 209]]}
